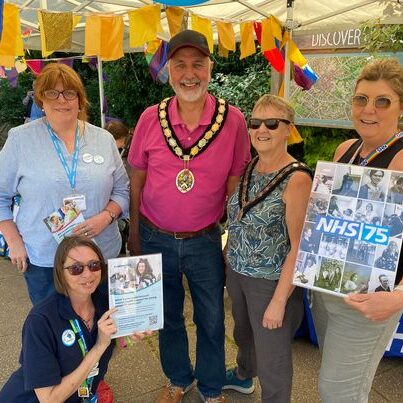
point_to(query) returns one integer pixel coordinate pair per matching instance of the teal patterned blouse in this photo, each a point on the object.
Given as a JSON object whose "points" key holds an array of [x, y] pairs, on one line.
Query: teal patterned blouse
{"points": [[259, 243]]}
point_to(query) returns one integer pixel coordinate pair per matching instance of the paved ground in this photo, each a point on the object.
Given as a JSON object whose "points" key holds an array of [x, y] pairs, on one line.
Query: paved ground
{"points": [[135, 373]]}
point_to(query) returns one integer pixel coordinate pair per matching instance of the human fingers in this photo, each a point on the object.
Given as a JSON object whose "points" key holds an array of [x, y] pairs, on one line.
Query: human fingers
{"points": [[108, 313]]}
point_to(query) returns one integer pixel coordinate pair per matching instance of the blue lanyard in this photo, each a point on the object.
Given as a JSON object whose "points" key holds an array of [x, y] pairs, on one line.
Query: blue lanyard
{"points": [[75, 325], [71, 173]]}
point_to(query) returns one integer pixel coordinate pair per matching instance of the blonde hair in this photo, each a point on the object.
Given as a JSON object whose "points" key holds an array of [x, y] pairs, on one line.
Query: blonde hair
{"points": [[279, 103], [388, 70], [51, 75]]}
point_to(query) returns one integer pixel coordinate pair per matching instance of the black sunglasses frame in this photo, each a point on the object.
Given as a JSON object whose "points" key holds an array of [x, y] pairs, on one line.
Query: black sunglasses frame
{"points": [[271, 123], [78, 268]]}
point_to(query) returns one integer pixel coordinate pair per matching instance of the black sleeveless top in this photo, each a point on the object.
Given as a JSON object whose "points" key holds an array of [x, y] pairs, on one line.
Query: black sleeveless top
{"points": [[380, 161]]}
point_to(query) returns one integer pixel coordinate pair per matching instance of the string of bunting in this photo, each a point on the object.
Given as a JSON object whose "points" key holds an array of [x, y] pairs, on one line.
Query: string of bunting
{"points": [[104, 35]]}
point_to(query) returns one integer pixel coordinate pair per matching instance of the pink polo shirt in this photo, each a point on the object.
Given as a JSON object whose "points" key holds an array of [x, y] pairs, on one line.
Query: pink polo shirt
{"points": [[227, 155]]}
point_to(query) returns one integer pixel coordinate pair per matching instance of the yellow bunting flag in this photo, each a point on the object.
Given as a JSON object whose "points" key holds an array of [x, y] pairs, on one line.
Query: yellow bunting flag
{"points": [[267, 42], [104, 37], [11, 40], [276, 28], [56, 31], [294, 136], [7, 61], [175, 19], [153, 46], [295, 55], [203, 25], [226, 36], [221, 50], [247, 39], [145, 24]]}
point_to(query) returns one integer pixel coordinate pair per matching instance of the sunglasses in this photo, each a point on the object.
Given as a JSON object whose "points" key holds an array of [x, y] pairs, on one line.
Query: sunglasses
{"points": [[378, 102], [271, 124], [77, 268], [68, 95]]}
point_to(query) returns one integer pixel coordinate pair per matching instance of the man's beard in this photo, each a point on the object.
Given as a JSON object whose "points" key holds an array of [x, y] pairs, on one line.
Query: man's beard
{"points": [[193, 95]]}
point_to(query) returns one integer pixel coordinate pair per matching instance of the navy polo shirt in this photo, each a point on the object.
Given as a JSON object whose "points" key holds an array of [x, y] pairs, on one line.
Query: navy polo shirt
{"points": [[49, 352]]}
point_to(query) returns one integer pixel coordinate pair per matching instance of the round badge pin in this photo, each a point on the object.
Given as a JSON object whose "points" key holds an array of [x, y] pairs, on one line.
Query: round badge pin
{"points": [[99, 159], [88, 158], [68, 337]]}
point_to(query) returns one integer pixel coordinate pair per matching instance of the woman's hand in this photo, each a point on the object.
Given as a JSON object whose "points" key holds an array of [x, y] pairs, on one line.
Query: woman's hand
{"points": [[93, 226], [136, 337], [377, 306], [18, 255], [106, 328], [274, 314]]}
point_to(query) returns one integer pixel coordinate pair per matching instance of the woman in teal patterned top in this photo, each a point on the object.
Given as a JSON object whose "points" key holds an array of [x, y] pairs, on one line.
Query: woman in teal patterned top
{"points": [[266, 215]]}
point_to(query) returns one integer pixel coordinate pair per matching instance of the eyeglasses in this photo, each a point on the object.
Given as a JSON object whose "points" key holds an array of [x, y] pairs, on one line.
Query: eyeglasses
{"points": [[68, 95], [77, 268], [378, 102], [271, 124]]}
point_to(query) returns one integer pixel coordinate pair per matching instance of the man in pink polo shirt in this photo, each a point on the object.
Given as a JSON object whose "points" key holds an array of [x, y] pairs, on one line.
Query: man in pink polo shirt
{"points": [[187, 156]]}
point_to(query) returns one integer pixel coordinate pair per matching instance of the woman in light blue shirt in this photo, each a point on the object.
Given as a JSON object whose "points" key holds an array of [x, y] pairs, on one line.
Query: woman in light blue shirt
{"points": [[53, 158]]}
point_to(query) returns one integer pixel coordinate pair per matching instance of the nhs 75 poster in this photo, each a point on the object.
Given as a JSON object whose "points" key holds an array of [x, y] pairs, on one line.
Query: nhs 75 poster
{"points": [[352, 235]]}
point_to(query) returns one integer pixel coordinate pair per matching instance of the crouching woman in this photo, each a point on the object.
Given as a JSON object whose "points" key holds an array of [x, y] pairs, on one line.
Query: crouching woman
{"points": [[66, 339]]}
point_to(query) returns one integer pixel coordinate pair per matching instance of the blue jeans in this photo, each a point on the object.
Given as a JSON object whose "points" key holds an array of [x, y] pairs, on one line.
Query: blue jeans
{"points": [[200, 260], [39, 282]]}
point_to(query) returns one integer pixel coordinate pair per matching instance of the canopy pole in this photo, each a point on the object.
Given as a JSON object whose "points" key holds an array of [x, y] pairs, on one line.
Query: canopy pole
{"points": [[287, 72], [101, 90]]}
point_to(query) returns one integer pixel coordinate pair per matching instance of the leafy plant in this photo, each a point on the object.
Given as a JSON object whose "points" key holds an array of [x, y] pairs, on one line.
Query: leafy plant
{"points": [[378, 37]]}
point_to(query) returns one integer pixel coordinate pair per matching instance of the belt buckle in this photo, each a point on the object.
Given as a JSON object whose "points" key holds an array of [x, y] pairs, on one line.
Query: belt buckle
{"points": [[177, 236]]}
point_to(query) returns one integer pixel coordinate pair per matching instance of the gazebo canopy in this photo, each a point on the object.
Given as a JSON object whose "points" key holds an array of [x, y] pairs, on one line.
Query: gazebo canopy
{"points": [[307, 15]]}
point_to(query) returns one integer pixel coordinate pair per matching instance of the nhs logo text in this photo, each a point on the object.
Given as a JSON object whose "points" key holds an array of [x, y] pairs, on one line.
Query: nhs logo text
{"points": [[352, 229]]}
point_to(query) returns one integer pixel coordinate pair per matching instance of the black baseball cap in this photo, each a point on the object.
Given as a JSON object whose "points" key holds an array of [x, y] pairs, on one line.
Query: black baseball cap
{"points": [[188, 38]]}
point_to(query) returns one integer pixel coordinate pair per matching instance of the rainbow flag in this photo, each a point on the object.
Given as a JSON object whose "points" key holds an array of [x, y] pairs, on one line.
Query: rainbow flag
{"points": [[158, 69], [274, 56], [305, 77]]}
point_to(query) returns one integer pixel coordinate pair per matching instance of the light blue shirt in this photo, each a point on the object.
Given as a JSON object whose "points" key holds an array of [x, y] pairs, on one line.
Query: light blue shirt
{"points": [[36, 111], [30, 166]]}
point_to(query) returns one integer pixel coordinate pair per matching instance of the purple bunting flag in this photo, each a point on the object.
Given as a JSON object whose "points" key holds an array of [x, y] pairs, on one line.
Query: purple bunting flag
{"points": [[12, 76], [1, 17]]}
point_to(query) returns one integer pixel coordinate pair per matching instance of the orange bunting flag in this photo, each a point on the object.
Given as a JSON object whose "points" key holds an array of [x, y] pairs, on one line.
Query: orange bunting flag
{"points": [[203, 25], [145, 24], [247, 39], [56, 31], [104, 37], [175, 19], [226, 38], [295, 55], [276, 28], [11, 40], [267, 42]]}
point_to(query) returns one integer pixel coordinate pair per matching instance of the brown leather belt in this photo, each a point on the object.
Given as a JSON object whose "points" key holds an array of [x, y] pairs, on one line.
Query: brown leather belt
{"points": [[178, 235]]}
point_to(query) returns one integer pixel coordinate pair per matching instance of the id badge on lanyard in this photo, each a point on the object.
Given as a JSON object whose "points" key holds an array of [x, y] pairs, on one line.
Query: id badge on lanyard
{"points": [[74, 200]]}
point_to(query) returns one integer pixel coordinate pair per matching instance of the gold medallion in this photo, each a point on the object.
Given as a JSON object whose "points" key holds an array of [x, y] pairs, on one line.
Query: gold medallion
{"points": [[185, 180]]}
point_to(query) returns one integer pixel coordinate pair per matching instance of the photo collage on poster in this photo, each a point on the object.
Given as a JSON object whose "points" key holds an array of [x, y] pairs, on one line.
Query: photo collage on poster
{"points": [[352, 233]]}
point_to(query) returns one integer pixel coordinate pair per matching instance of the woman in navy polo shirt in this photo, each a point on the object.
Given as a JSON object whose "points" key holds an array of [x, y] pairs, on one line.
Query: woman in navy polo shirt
{"points": [[66, 339]]}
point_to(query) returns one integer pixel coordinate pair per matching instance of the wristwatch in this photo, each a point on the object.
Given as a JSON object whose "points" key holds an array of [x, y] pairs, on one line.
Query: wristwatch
{"points": [[111, 214]]}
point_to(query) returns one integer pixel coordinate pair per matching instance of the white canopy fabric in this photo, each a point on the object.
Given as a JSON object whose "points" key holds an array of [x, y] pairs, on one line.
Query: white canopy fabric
{"points": [[307, 15]]}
